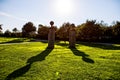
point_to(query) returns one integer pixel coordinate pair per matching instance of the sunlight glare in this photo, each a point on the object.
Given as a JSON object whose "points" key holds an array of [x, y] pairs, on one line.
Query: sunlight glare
{"points": [[64, 7]]}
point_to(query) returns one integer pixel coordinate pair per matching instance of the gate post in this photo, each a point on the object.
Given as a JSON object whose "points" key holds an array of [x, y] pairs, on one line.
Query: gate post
{"points": [[51, 36], [72, 36]]}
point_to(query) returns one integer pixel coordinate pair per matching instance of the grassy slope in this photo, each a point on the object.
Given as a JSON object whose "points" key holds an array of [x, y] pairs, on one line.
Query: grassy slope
{"points": [[32, 61]]}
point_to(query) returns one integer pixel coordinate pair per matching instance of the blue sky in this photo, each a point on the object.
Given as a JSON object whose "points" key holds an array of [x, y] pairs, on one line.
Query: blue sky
{"points": [[15, 13]]}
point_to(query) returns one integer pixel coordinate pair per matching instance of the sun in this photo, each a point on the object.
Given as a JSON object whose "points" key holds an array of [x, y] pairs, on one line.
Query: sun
{"points": [[63, 7]]}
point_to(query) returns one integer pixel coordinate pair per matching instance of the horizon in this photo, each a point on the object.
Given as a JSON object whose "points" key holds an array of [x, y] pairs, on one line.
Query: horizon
{"points": [[17, 13]]}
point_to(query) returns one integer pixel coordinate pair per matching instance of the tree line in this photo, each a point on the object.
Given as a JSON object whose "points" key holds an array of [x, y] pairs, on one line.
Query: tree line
{"points": [[91, 31]]}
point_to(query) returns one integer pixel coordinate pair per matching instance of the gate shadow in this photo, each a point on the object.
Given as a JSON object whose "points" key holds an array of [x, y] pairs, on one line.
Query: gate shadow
{"points": [[21, 71], [76, 52], [80, 53]]}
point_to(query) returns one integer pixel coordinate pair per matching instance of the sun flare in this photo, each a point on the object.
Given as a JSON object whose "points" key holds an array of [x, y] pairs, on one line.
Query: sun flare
{"points": [[64, 7]]}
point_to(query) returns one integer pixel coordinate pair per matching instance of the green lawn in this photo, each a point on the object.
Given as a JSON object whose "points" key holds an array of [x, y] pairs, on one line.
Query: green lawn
{"points": [[12, 40], [33, 61]]}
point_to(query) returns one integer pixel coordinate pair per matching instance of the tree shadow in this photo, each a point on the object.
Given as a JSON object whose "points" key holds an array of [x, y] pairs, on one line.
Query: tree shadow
{"points": [[65, 45], [77, 52], [80, 53], [14, 41], [38, 40], [21, 71], [101, 45]]}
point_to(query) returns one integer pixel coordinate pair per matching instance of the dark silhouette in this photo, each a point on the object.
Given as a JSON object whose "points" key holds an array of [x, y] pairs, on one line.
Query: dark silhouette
{"points": [[43, 32], [28, 29], [0, 27], [15, 30], [80, 53], [63, 32], [51, 23], [89, 31], [21, 71], [1, 33], [7, 33]]}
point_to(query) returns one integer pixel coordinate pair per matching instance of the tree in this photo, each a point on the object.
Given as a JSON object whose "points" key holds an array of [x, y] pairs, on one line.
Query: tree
{"points": [[116, 32], [1, 33], [116, 29], [14, 30], [43, 31], [7, 33], [63, 32], [15, 33], [108, 32], [90, 31], [0, 28], [28, 28]]}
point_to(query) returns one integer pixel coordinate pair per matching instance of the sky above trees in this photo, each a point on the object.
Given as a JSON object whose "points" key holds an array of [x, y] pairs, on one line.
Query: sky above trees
{"points": [[15, 13]]}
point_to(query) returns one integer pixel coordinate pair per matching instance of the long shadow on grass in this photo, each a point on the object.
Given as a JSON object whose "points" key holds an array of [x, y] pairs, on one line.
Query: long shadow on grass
{"points": [[101, 45], [77, 52], [80, 53], [14, 41], [65, 45], [39, 57], [21, 71]]}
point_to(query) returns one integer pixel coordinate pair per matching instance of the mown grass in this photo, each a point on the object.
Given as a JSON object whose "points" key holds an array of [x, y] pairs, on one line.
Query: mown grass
{"points": [[33, 61]]}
